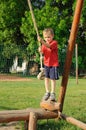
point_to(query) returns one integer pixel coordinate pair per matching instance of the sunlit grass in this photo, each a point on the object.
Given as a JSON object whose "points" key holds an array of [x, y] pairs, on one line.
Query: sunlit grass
{"points": [[26, 94]]}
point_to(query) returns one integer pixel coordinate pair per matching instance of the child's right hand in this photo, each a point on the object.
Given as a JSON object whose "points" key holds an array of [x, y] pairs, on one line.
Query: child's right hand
{"points": [[39, 39], [39, 49]]}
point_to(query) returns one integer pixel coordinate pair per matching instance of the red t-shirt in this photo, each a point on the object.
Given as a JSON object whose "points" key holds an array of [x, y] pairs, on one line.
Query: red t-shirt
{"points": [[51, 54]]}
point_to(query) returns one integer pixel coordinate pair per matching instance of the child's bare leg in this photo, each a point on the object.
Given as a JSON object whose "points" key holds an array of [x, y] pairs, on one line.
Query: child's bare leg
{"points": [[53, 87], [47, 94], [47, 84]]}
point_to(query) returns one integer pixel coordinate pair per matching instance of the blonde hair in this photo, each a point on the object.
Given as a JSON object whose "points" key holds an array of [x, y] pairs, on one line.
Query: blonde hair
{"points": [[48, 30]]}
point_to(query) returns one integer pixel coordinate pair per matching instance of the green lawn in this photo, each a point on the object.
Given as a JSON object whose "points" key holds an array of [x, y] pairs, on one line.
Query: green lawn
{"points": [[25, 94]]}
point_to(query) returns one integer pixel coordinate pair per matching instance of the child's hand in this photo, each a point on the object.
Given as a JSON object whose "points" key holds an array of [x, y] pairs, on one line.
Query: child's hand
{"points": [[39, 49], [39, 39]]}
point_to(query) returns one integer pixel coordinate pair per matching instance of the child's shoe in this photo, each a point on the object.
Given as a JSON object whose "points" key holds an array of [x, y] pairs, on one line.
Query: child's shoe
{"points": [[52, 97], [46, 96]]}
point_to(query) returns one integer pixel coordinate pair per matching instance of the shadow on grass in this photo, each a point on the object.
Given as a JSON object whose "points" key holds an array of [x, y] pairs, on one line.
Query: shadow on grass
{"points": [[49, 125], [55, 125], [7, 108]]}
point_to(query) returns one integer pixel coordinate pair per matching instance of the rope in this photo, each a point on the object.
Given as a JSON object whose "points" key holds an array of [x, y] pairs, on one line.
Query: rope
{"points": [[36, 28], [33, 17]]}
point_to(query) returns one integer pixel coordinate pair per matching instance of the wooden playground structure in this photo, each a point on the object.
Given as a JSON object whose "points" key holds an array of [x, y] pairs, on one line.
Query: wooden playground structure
{"points": [[49, 109]]}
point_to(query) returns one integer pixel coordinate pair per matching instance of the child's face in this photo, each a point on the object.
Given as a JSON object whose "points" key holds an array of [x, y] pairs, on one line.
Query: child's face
{"points": [[48, 37]]}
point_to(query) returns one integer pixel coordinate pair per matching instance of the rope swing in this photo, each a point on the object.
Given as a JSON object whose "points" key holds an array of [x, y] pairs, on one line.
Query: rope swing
{"points": [[41, 74]]}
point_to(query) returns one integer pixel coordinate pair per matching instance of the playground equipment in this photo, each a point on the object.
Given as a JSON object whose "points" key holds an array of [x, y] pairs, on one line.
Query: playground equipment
{"points": [[41, 74], [51, 109]]}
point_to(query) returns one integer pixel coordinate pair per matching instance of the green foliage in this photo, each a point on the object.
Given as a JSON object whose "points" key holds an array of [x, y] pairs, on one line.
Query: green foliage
{"points": [[17, 33], [10, 37], [47, 16], [81, 39]]}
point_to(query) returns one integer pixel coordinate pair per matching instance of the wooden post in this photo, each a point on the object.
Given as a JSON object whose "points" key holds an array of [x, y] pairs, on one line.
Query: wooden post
{"points": [[76, 54], [32, 121], [70, 49]]}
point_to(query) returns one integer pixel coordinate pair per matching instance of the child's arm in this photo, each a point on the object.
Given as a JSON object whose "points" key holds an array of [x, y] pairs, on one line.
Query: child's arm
{"points": [[43, 42]]}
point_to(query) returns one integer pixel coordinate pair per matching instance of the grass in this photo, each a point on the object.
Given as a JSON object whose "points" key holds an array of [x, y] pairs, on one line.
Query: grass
{"points": [[26, 94]]}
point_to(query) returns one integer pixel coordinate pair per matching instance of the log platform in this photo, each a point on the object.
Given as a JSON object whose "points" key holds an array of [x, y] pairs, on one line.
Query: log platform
{"points": [[50, 105], [32, 115]]}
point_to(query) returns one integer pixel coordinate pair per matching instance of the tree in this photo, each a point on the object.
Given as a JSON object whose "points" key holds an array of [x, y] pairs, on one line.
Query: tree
{"points": [[11, 42], [81, 40], [54, 14], [18, 36]]}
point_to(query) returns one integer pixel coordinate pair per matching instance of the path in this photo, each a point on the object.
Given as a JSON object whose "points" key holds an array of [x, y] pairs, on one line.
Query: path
{"points": [[7, 77]]}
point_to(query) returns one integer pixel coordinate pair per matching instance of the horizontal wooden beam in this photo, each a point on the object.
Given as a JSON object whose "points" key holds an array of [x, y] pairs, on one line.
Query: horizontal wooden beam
{"points": [[73, 121], [18, 115], [22, 115]]}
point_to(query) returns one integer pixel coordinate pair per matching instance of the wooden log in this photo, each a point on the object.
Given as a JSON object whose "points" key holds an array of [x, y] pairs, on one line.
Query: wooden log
{"points": [[50, 105], [22, 115], [32, 121], [73, 121], [70, 49]]}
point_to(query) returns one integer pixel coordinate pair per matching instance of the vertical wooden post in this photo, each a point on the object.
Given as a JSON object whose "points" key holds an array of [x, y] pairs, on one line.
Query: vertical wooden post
{"points": [[76, 54], [26, 125], [32, 121], [70, 49]]}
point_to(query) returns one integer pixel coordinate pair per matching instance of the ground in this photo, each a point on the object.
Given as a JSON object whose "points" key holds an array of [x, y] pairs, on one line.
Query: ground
{"points": [[11, 125], [5, 77]]}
